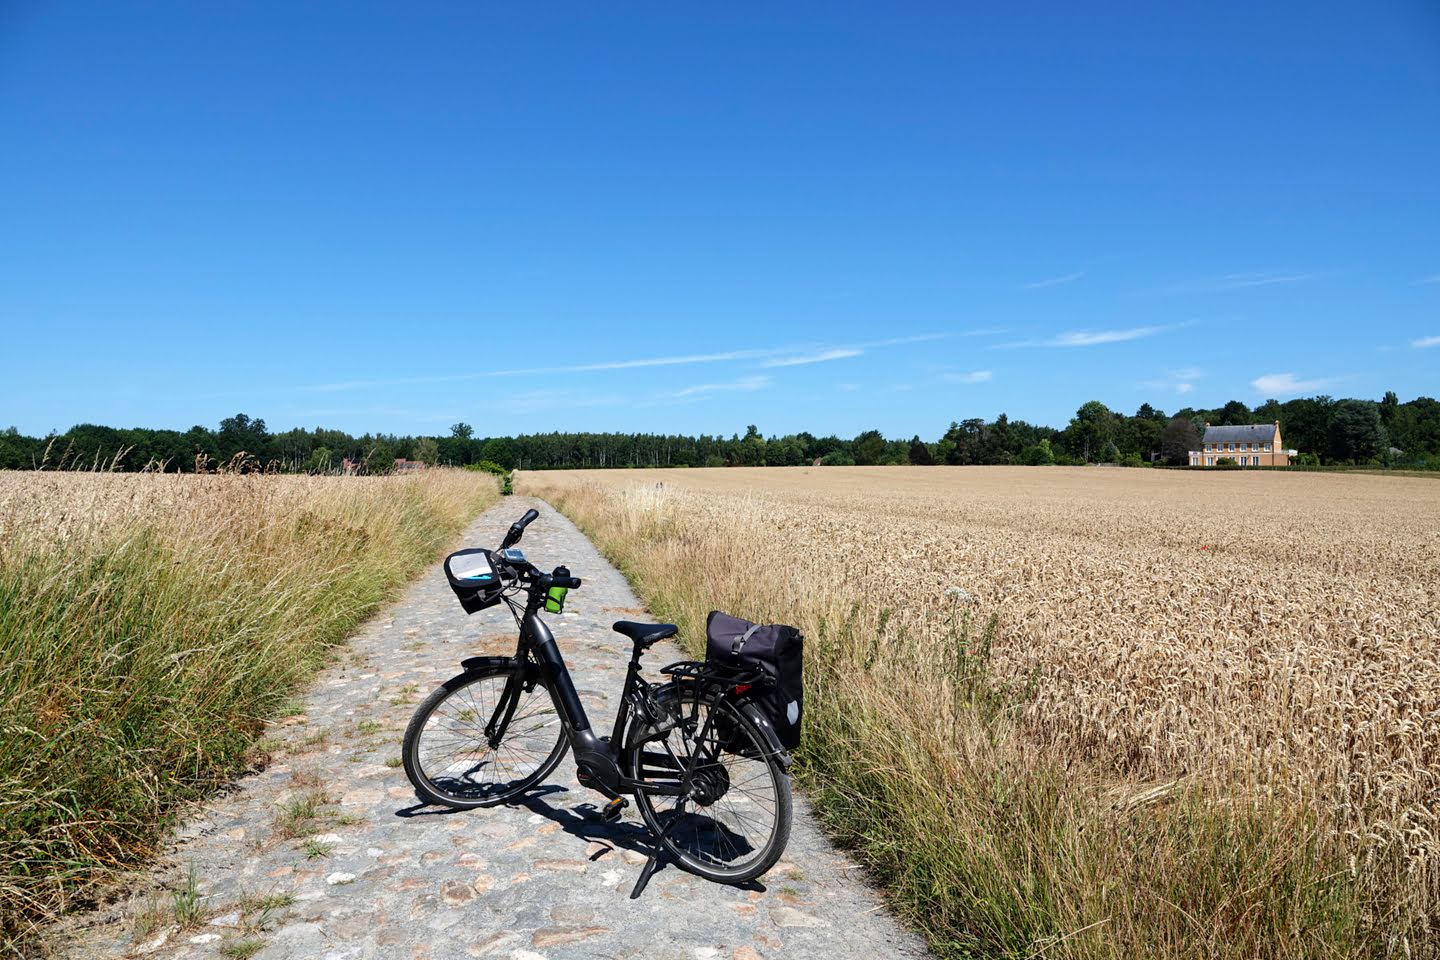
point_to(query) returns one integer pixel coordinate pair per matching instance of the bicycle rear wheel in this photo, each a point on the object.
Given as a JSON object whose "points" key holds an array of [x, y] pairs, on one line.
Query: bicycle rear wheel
{"points": [[734, 822], [452, 762]]}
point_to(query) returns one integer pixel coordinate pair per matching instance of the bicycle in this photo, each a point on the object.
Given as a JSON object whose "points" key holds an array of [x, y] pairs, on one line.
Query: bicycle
{"points": [[707, 770]]}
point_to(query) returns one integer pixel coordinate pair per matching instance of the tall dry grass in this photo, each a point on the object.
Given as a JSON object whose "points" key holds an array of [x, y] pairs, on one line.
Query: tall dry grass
{"points": [[1160, 714], [149, 624]]}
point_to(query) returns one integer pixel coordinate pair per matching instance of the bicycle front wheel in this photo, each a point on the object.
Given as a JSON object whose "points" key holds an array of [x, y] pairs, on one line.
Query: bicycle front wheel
{"points": [[451, 760], [734, 821]]}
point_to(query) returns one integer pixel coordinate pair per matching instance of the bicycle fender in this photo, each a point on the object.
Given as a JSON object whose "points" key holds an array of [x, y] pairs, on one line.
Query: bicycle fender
{"points": [[480, 663], [758, 717]]}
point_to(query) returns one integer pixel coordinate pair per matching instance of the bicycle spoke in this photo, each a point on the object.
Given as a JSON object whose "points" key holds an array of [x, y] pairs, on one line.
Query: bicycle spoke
{"points": [[738, 805], [454, 751]]}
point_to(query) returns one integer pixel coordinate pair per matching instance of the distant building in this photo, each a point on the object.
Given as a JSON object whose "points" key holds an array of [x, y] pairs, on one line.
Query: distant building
{"points": [[1250, 445], [406, 466]]}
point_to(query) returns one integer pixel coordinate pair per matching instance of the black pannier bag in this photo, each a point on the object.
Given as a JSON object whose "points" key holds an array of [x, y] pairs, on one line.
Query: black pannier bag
{"points": [[474, 579], [776, 650]]}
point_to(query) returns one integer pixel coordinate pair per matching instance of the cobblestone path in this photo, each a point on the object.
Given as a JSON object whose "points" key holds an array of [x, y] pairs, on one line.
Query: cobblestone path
{"points": [[326, 854]]}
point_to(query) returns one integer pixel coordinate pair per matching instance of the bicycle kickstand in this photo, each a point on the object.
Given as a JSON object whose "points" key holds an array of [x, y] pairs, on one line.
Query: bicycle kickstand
{"points": [[646, 872], [657, 854]]}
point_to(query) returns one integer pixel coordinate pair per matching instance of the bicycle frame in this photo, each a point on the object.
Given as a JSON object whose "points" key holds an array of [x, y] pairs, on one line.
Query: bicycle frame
{"points": [[597, 759]]}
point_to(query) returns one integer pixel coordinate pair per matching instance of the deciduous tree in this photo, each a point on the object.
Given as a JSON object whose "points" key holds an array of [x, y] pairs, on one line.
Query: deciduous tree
{"points": [[1179, 438]]}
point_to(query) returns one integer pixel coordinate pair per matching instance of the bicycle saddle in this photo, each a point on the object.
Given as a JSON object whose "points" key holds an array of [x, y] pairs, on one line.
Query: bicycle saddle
{"points": [[645, 634]]}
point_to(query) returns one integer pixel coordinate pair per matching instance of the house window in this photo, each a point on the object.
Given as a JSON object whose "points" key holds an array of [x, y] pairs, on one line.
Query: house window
{"points": [[1232, 448], [1267, 448], [1209, 461]]}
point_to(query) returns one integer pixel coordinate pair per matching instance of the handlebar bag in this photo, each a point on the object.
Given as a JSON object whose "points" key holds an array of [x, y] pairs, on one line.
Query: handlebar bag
{"points": [[474, 579], [775, 650]]}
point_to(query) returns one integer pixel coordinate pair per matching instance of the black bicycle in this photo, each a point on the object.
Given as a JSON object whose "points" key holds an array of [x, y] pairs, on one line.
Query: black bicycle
{"points": [[702, 761]]}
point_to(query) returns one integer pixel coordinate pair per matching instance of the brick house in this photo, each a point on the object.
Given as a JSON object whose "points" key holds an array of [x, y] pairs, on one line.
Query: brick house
{"points": [[1250, 445]]}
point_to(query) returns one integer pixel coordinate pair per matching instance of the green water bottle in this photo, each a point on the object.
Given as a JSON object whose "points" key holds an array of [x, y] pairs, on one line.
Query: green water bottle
{"points": [[555, 596]]}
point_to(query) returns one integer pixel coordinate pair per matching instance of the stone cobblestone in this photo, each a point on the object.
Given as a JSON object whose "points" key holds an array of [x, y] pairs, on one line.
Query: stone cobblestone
{"points": [[374, 874]]}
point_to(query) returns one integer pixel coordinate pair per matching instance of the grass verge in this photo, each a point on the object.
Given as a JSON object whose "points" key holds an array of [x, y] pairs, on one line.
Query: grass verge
{"points": [[149, 625]]}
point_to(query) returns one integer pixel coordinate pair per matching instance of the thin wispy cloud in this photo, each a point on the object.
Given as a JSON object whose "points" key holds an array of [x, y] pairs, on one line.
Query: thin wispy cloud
{"points": [[1288, 385], [973, 376], [839, 353], [530, 371], [1433, 278], [743, 385], [983, 332], [899, 341], [1243, 280], [1181, 381], [1090, 338], [772, 356], [1425, 342], [823, 354], [1053, 281]]}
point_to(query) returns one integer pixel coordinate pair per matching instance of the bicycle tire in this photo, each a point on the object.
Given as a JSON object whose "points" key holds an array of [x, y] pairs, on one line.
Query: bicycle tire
{"points": [[747, 745], [446, 776]]}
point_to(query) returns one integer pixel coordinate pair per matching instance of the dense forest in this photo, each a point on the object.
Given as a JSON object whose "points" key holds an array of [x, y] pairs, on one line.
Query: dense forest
{"points": [[1324, 431]]}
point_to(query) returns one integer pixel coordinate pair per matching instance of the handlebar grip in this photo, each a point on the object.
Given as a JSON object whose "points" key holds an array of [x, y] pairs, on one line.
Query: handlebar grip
{"points": [[569, 583], [517, 529]]}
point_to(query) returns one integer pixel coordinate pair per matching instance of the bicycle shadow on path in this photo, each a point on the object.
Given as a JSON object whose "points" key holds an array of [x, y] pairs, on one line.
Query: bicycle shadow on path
{"points": [[582, 822]]}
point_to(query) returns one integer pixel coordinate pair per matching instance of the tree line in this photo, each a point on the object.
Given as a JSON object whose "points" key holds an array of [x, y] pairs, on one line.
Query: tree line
{"points": [[1324, 430]]}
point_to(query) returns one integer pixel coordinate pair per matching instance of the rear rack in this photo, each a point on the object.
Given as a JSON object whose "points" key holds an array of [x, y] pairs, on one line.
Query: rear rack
{"points": [[705, 672]]}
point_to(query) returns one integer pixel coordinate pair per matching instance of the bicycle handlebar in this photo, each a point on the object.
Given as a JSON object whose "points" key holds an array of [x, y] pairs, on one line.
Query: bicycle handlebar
{"points": [[540, 581]]}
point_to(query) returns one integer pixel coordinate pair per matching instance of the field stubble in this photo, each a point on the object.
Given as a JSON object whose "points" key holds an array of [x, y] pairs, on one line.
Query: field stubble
{"points": [[1086, 712], [149, 624]]}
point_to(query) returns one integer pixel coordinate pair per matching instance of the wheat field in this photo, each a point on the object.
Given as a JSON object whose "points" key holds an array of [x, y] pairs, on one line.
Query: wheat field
{"points": [[151, 623], [1090, 712]]}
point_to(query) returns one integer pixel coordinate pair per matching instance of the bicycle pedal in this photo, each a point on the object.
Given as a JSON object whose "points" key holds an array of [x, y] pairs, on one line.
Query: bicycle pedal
{"points": [[610, 813]]}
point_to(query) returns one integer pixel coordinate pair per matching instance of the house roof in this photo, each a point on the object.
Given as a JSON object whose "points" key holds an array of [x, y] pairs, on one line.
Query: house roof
{"points": [[1249, 432]]}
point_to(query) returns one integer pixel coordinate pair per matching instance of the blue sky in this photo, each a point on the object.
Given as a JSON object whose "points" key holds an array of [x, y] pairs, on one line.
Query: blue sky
{"points": [[682, 217]]}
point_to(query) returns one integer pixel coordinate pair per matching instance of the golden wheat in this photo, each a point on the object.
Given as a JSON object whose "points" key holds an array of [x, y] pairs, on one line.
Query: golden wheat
{"points": [[1241, 641]]}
